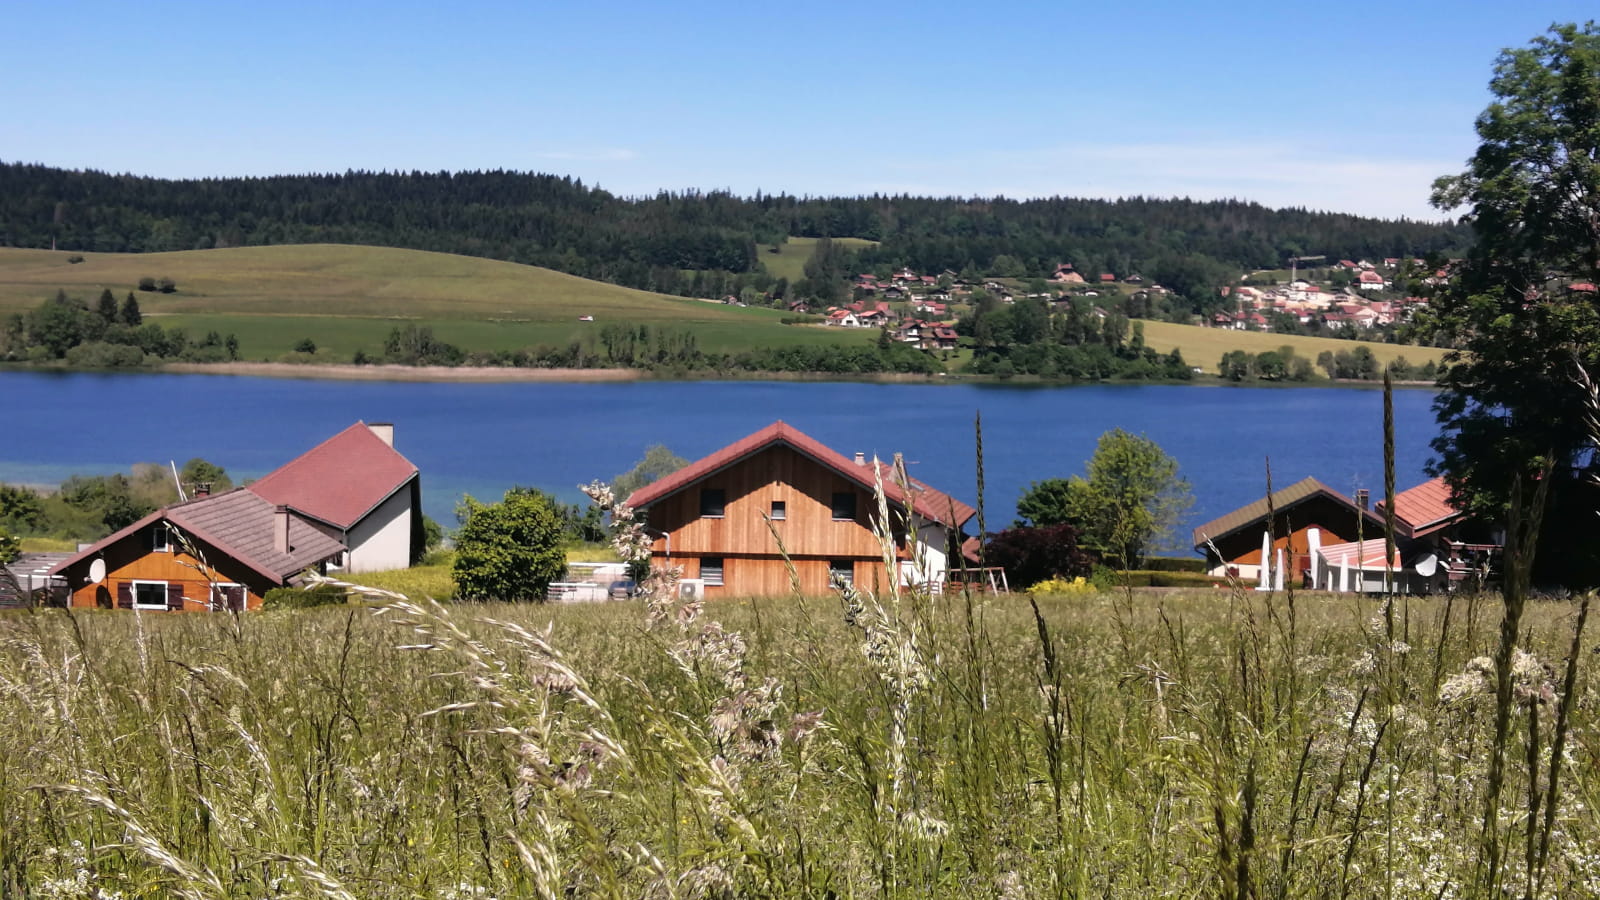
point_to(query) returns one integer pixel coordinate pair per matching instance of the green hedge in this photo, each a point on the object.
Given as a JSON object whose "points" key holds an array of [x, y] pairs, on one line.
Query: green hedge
{"points": [[1106, 579], [303, 598], [1175, 564]]}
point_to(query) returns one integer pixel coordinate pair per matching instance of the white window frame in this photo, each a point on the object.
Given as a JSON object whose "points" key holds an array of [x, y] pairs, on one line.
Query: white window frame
{"points": [[721, 570], [215, 585], [778, 511], [137, 582], [161, 538]]}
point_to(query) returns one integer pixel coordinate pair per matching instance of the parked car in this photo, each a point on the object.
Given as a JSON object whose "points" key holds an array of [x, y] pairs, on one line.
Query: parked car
{"points": [[624, 589]]}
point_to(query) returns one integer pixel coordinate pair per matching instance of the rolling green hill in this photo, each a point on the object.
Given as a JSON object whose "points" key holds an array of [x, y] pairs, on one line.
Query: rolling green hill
{"points": [[349, 297]]}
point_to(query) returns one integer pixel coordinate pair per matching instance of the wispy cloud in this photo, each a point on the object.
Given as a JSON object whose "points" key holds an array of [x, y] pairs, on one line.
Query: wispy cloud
{"points": [[604, 154]]}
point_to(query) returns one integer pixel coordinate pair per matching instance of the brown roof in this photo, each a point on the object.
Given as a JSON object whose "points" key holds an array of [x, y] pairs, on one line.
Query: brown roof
{"points": [[1425, 508], [341, 479], [928, 503], [238, 523], [1294, 494]]}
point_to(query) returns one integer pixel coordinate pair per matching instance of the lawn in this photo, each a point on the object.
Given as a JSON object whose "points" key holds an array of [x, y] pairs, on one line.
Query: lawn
{"points": [[1200, 744], [1204, 347], [349, 297], [788, 260]]}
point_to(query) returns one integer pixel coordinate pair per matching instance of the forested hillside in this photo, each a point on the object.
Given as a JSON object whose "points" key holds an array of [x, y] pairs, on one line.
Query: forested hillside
{"points": [[694, 243]]}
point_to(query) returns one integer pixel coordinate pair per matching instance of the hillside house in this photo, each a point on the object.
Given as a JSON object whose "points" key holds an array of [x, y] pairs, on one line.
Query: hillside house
{"points": [[1369, 280], [360, 491], [712, 519], [1315, 540], [843, 318], [352, 502], [215, 552], [1305, 515]]}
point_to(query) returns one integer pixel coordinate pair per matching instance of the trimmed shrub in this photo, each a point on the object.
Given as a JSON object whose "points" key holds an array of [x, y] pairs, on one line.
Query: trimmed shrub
{"points": [[303, 598]]}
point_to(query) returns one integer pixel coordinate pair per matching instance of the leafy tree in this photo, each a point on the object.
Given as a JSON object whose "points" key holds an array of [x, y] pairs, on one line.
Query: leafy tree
{"points": [[131, 316], [509, 550], [1031, 555], [166, 285], [305, 345], [21, 509], [1509, 406], [10, 548], [657, 462], [147, 283], [198, 471], [1133, 497]]}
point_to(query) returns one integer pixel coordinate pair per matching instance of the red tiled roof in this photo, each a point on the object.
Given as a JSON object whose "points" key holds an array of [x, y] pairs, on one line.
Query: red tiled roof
{"points": [[238, 523], [928, 503], [341, 479], [1426, 507]]}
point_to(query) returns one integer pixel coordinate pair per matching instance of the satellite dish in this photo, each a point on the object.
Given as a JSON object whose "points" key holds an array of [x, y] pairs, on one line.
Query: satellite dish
{"points": [[1427, 565], [97, 571]]}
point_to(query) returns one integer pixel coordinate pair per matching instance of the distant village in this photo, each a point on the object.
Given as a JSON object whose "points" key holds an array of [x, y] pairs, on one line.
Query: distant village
{"points": [[1347, 296]]}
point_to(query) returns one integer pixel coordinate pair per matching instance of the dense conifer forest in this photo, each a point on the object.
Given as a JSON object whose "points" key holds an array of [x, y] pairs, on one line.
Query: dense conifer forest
{"points": [[692, 243]]}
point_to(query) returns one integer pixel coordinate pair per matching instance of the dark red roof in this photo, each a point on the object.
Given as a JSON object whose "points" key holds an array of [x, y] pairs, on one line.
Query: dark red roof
{"points": [[928, 503], [341, 479], [1107, 276]]}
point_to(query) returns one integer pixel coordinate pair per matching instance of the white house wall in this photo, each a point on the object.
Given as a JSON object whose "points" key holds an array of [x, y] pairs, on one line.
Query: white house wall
{"points": [[382, 540]]}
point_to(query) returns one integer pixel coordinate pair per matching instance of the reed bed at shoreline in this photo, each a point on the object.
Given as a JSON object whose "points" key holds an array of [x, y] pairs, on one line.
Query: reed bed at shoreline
{"points": [[1188, 745]]}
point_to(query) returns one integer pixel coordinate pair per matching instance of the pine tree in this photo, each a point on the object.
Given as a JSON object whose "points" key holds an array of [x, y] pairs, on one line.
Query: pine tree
{"points": [[130, 312], [108, 306]]}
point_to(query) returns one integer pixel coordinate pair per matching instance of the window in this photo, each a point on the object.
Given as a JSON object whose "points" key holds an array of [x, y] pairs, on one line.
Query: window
{"points": [[150, 594], [780, 510], [227, 598], [844, 506], [160, 538], [711, 570], [713, 501], [841, 571]]}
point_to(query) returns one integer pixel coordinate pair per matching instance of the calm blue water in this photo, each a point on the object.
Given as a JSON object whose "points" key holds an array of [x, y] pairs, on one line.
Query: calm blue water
{"points": [[483, 438]]}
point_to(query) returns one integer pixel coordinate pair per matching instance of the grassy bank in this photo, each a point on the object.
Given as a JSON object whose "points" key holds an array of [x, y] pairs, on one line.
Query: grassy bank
{"points": [[1204, 347], [1199, 744]]}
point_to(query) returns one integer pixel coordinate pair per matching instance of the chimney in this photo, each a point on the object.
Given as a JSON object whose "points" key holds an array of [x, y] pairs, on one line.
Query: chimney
{"points": [[202, 488], [384, 431], [861, 458], [280, 529], [1364, 498]]}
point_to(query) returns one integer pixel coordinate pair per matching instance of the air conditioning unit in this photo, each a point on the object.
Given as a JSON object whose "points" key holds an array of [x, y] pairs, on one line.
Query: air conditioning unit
{"points": [[692, 588]]}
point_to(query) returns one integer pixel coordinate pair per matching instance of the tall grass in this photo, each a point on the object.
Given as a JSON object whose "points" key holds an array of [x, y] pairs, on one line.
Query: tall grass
{"points": [[888, 745]]}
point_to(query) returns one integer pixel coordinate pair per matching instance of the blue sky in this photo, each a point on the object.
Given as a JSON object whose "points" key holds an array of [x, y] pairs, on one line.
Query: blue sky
{"points": [[1354, 107]]}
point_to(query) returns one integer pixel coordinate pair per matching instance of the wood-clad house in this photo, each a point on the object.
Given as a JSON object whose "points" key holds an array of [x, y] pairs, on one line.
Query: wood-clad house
{"points": [[215, 552], [1305, 516], [711, 518], [352, 502]]}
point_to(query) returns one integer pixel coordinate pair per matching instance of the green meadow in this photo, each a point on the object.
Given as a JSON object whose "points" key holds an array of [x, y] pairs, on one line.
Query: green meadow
{"points": [[1125, 745], [788, 259], [348, 298]]}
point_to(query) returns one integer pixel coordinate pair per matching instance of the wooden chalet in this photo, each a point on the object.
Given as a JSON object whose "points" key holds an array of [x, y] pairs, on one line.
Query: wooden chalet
{"points": [[215, 552], [352, 502], [711, 518], [1305, 515]]}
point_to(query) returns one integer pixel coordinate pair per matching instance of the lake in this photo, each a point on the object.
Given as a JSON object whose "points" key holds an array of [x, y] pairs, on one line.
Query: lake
{"points": [[484, 438]]}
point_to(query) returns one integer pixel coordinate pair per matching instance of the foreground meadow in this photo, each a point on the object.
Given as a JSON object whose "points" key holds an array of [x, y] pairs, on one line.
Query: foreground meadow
{"points": [[1124, 746]]}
